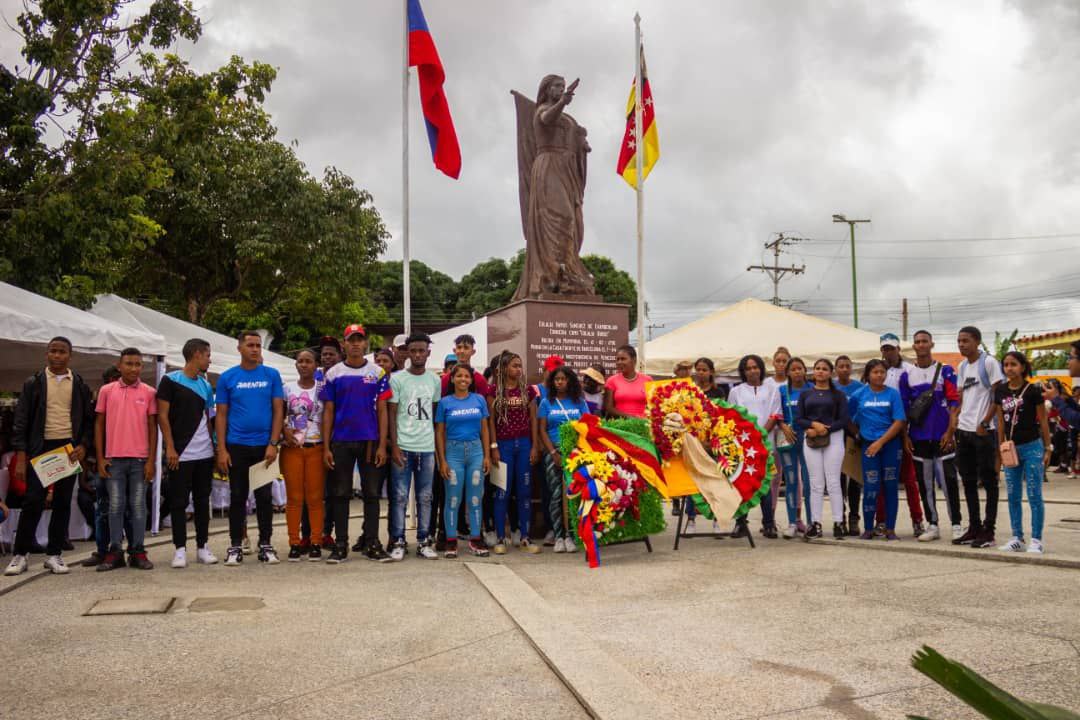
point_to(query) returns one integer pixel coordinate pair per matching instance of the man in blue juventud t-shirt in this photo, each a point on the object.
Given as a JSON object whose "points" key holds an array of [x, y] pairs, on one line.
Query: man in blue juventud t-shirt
{"points": [[250, 409]]}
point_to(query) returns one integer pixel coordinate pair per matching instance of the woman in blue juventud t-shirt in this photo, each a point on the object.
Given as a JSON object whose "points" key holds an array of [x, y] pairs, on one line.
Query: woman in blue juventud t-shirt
{"points": [[878, 412], [461, 445]]}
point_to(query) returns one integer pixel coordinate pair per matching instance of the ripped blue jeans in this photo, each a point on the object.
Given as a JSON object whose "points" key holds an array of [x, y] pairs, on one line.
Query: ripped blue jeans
{"points": [[466, 461], [1030, 470], [881, 471]]}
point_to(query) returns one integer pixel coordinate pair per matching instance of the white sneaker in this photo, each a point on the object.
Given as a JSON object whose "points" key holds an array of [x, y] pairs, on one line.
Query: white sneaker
{"points": [[560, 545], [790, 531], [426, 551], [1014, 545], [206, 557], [1035, 547], [179, 559], [17, 566], [549, 539], [526, 546], [957, 532], [932, 533], [55, 565], [397, 552], [569, 545], [690, 528], [234, 556], [489, 538]]}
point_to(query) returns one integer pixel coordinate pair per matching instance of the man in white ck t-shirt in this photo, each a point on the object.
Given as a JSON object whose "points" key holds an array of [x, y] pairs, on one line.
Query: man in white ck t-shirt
{"points": [[976, 442]]}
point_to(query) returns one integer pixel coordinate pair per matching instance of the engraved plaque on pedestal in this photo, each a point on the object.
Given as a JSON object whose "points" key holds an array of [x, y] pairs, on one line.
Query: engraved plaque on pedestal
{"points": [[585, 334]]}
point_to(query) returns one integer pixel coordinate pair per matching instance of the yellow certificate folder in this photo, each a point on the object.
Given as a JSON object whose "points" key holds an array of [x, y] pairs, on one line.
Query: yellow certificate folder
{"points": [[55, 465]]}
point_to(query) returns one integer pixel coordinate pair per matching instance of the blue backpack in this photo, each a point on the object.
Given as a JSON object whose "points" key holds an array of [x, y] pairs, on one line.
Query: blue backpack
{"points": [[984, 376]]}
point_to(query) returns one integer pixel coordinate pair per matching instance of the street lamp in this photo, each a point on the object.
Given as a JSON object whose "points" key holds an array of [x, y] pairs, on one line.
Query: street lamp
{"points": [[839, 218]]}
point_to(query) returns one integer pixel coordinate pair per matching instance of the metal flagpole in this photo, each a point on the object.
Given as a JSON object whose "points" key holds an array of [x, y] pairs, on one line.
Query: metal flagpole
{"points": [[406, 305], [639, 191]]}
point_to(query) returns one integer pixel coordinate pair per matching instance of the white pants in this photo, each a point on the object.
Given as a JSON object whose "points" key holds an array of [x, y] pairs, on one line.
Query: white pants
{"points": [[824, 465]]}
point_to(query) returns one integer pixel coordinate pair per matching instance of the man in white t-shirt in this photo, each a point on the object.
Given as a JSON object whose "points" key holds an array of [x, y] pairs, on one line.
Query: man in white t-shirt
{"points": [[976, 442], [896, 368]]}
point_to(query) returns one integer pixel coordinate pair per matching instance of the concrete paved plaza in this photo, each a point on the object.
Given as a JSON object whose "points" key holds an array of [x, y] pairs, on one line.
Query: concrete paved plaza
{"points": [[715, 630]]}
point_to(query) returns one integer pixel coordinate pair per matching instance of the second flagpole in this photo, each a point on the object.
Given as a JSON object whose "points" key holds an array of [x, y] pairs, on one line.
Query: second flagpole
{"points": [[639, 191], [406, 303]]}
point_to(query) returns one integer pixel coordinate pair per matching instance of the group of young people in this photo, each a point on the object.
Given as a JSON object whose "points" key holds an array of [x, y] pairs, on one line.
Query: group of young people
{"points": [[403, 428], [392, 420], [922, 424]]}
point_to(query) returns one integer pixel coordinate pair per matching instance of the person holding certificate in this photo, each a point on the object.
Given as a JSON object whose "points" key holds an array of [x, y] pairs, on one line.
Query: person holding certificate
{"points": [[125, 435], [250, 410], [53, 411]]}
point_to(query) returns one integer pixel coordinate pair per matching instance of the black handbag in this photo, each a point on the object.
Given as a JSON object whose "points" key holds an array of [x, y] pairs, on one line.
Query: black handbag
{"points": [[818, 441], [922, 404]]}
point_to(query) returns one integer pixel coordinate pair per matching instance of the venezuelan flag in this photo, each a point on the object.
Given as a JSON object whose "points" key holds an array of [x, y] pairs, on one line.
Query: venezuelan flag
{"points": [[440, 126], [627, 165]]}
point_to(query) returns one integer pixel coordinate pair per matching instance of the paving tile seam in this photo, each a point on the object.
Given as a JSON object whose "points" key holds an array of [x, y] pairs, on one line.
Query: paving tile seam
{"points": [[629, 689], [910, 549], [366, 676]]}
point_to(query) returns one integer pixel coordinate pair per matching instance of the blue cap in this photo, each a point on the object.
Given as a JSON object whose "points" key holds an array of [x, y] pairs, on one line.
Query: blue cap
{"points": [[451, 358], [890, 339]]}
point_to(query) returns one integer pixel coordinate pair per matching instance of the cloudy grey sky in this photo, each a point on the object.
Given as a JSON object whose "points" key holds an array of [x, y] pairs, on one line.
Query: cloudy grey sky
{"points": [[945, 123]]}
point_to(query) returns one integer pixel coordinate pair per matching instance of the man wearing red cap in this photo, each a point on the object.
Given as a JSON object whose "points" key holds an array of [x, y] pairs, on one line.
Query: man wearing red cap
{"points": [[354, 397]]}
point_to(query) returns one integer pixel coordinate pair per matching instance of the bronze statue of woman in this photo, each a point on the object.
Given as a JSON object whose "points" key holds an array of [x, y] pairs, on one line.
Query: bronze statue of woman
{"points": [[551, 174]]}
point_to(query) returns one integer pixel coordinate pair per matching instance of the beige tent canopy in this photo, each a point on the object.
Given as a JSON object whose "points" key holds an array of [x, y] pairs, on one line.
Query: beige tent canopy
{"points": [[756, 327]]}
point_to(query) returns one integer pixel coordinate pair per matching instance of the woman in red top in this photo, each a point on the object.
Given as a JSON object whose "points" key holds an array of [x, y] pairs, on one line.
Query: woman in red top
{"points": [[624, 392]]}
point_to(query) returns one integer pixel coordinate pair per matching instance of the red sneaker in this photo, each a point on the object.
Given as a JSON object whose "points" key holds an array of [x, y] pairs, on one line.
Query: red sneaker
{"points": [[112, 561], [141, 562]]}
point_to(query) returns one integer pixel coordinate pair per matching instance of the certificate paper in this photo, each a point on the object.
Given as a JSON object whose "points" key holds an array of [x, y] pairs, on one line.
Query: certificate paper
{"points": [[55, 465], [498, 476], [260, 475]]}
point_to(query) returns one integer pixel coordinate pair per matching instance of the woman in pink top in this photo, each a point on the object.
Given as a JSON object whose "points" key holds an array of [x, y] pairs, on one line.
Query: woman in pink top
{"points": [[624, 392]]}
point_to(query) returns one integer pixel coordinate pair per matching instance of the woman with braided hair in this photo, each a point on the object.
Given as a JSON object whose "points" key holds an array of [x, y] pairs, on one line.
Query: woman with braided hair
{"points": [[513, 412]]}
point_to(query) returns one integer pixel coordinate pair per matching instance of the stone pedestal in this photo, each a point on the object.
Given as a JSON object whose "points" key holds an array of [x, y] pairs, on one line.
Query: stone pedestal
{"points": [[584, 333]]}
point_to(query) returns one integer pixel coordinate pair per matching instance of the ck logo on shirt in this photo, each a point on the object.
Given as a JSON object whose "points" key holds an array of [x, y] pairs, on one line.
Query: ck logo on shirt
{"points": [[420, 409]]}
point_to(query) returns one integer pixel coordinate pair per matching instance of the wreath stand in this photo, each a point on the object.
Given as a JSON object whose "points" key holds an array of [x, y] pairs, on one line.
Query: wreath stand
{"points": [[740, 522], [566, 516]]}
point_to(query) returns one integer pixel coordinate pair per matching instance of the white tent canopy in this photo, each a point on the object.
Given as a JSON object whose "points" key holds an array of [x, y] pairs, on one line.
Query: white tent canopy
{"points": [[755, 327], [176, 332], [28, 321]]}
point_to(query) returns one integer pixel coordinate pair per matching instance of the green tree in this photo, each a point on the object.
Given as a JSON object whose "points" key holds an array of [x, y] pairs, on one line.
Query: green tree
{"points": [[433, 293], [486, 287], [612, 284], [63, 207]]}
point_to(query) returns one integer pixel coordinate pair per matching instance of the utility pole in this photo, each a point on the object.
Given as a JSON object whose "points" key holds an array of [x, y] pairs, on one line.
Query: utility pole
{"points": [[903, 319], [839, 218], [776, 271]]}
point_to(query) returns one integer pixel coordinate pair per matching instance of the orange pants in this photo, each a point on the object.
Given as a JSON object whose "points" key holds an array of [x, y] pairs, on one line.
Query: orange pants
{"points": [[305, 481]]}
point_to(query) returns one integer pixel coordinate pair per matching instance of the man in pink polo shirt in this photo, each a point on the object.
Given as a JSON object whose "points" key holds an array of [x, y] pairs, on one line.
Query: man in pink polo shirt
{"points": [[125, 435]]}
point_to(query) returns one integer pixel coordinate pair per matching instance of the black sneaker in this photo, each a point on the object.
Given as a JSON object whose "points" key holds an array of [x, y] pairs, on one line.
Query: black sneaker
{"points": [[268, 555], [360, 546], [376, 552], [839, 532], [295, 553], [339, 554], [985, 539], [770, 532], [742, 528], [853, 527], [234, 556], [812, 532], [314, 554], [968, 537]]}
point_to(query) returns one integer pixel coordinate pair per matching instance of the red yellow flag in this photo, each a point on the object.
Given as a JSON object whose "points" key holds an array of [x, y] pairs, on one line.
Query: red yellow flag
{"points": [[650, 138]]}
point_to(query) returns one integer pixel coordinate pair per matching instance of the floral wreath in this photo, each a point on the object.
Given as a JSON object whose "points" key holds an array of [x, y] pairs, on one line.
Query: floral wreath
{"points": [[608, 487], [730, 434]]}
